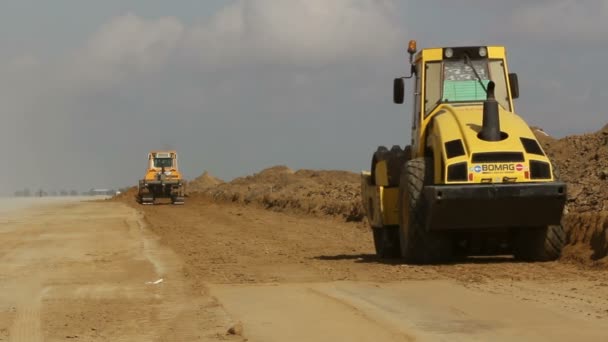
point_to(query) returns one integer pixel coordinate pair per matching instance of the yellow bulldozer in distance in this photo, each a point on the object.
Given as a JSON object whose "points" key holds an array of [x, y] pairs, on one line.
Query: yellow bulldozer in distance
{"points": [[163, 179], [474, 180]]}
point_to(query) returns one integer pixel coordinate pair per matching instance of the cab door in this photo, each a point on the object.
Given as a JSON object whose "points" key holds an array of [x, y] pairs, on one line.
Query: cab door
{"points": [[416, 111]]}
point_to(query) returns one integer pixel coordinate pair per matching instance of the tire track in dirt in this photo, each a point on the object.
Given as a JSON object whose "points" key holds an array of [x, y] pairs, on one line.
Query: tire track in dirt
{"points": [[584, 299], [27, 324], [396, 333], [300, 312]]}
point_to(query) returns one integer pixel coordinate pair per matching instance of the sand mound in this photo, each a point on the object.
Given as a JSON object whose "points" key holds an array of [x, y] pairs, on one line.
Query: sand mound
{"points": [[587, 238], [583, 164], [203, 182]]}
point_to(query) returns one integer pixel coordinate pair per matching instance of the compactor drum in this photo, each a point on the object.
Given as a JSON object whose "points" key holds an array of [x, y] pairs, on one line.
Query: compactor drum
{"points": [[474, 180], [163, 179]]}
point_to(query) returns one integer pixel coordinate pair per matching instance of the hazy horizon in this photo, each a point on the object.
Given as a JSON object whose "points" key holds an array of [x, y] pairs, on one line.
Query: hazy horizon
{"points": [[87, 89]]}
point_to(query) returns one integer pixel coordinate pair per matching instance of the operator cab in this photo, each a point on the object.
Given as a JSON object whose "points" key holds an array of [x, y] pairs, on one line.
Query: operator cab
{"points": [[458, 75], [162, 160]]}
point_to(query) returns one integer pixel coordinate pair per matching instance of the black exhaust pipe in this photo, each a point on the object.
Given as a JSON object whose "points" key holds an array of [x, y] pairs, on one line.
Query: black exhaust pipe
{"points": [[490, 130]]}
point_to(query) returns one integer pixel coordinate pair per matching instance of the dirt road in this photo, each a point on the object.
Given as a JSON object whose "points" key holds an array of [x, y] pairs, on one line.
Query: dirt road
{"points": [[91, 272], [87, 272]]}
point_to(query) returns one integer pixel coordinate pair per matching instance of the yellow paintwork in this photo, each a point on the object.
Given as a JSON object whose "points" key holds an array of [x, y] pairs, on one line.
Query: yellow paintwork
{"points": [[465, 123], [436, 54], [390, 206], [152, 171], [381, 173], [380, 202]]}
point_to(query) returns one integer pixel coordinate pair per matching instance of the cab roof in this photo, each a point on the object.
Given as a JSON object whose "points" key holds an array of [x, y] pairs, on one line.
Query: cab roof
{"points": [[163, 151], [439, 53]]}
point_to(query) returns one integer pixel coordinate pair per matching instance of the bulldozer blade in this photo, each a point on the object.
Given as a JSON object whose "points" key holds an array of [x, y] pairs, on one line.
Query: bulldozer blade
{"points": [[178, 201]]}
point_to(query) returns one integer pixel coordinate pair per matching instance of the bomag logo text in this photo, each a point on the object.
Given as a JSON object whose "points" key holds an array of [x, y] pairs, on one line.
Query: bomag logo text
{"points": [[497, 167]]}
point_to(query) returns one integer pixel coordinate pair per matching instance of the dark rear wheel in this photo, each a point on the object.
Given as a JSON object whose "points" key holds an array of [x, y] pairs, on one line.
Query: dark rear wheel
{"points": [[395, 158], [417, 244], [386, 239], [386, 242], [540, 244]]}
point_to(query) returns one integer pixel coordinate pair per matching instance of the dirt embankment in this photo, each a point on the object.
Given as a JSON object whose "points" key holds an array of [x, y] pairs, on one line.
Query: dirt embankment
{"points": [[587, 238], [583, 164], [313, 192]]}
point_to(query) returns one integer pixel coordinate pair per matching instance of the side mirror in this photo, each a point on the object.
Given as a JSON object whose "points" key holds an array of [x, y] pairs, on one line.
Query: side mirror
{"points": [[398, 90], [514, 85]]}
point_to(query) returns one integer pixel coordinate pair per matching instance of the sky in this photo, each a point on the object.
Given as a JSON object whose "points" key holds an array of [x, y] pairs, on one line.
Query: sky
{"points": [[87, 88]]}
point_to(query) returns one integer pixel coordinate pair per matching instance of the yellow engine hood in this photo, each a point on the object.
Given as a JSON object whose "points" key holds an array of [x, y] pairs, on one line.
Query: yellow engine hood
{"points": [[464, 121]]}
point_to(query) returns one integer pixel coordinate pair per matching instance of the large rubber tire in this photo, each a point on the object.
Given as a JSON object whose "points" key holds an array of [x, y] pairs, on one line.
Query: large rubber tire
{"points": [[417, 244], [386, 242], [395, 159], [407, 155], [540, 244]]}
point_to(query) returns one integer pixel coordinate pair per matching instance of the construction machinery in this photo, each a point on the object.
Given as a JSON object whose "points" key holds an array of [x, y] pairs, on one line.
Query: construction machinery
{"points": [[163, 179], [474, 180]]}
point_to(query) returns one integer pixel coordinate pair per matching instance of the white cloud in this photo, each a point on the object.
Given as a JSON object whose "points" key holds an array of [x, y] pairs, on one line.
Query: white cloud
{"points": [[299, 32], [124, 45], [23, 62], [246, 33]]}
